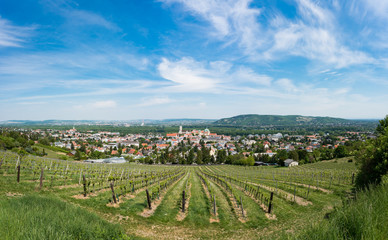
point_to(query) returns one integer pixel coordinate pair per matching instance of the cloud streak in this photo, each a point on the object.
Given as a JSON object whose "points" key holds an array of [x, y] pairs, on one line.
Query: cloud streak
{"points": [[189, 75], [312, 35], [12, 35]]}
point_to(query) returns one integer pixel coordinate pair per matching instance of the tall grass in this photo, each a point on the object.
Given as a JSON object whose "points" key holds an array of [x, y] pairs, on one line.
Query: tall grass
{"points": [[364, 218], [37, 217]]}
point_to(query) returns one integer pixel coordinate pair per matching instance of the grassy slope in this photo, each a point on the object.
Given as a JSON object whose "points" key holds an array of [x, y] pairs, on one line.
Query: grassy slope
{"points": [[365, 218], [293, 220], [27, 214], [51, 153], [44, 217]]}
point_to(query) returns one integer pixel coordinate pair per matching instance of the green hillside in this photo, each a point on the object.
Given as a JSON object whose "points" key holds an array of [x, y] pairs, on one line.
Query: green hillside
{"points": [[279, 120]]}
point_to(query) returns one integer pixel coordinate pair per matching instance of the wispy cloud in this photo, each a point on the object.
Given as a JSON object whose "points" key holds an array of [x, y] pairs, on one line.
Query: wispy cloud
{"points": [[379, 9], [12, 35], [81, 17], [152, 101], [312, 35], [234, 21], [189, 75], [104, 104], [97, 105], [76, 17]]}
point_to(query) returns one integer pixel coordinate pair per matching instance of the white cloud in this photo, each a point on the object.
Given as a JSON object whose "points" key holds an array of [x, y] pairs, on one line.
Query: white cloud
{"points": [[379, 8], [189, 75], [154, 101], [312, 35], [244, 74], [12, 35], [234, 21], [287, 85], [81, 17], [315, 44], [97, 105], [68, 9], [104, 104], [24, 70]]}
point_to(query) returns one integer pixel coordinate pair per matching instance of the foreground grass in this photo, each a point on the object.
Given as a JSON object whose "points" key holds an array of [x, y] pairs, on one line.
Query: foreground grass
{"points": [[42, 217], [364, 218]]}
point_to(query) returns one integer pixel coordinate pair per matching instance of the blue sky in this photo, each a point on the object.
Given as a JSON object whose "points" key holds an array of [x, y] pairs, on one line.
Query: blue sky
{"points": [[122, 60]]}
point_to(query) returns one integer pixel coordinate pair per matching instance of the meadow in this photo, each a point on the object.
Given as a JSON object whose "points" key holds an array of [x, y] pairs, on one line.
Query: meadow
{"points": [[49, 198]]}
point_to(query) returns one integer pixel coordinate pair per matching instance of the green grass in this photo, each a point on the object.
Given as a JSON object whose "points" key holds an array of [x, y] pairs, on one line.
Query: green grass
{"points": [[53, 213], [364, 218], [43, 217], [53, 154]]}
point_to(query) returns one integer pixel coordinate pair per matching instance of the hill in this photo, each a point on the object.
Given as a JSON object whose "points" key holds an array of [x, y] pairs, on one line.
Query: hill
{"points": [[279, 120]]}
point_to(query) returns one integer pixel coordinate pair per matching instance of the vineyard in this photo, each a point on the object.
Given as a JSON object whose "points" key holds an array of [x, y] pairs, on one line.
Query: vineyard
{"points": [[171, 201]]}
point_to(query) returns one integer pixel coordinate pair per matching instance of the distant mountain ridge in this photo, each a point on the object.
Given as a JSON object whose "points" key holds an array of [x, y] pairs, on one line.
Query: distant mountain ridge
{"points": [[280, 120], [246, 120]]}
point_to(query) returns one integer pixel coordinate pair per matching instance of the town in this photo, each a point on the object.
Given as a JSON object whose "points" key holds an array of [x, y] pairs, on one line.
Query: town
{"points": [[190, 146]]}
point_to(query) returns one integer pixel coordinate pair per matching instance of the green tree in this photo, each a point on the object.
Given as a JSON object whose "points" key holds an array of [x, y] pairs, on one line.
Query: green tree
{"points": [[221, 156], [373, 158], [199, 157], [282, 155], [340, 152], [190, 158], [293, 155], [77, 155]]}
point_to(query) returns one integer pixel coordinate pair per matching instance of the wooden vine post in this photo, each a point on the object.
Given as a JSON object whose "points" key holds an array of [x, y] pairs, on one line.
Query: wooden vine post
{"points": [[84, 185], [294, 192], [242, 208], [113, 192], [18, 175], [183, 201], [148, 199], [41, 179], [270, 203], [214, 205], [80, 174]]}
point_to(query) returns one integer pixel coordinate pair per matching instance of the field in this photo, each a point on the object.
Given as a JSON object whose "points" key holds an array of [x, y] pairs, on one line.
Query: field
{"points": [[131, 201]]}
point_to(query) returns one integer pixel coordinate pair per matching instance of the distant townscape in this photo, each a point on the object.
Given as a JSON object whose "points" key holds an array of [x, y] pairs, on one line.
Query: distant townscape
{"points": [[185, 146]]}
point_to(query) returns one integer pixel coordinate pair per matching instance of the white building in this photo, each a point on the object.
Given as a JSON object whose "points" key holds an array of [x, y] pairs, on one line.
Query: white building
{"points": [[290, 163]]}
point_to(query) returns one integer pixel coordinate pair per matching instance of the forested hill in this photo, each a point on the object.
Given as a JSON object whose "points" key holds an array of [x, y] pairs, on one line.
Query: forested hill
{"points": [[279, 120]]}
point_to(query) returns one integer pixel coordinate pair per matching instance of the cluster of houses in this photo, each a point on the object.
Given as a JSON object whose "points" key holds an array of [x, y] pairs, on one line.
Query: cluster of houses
{"points": [[142, 145]]}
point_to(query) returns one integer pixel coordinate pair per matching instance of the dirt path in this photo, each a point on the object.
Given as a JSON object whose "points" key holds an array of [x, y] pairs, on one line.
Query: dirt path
{"points": [[182, 215], [68, 186], [213, 217], [298, 200], [301, 184], [242, 216], [149, 212], [128, 196], [314, 187], [262, 205], [89, 195]]}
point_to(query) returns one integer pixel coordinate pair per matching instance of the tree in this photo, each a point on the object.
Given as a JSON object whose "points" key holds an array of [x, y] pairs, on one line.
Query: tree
{"points": [[282, 155], [340, 152], [221, 156], [77, 155], [205, 155], [293, 155], [190, 158], [199, 157], [373, 158]]}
